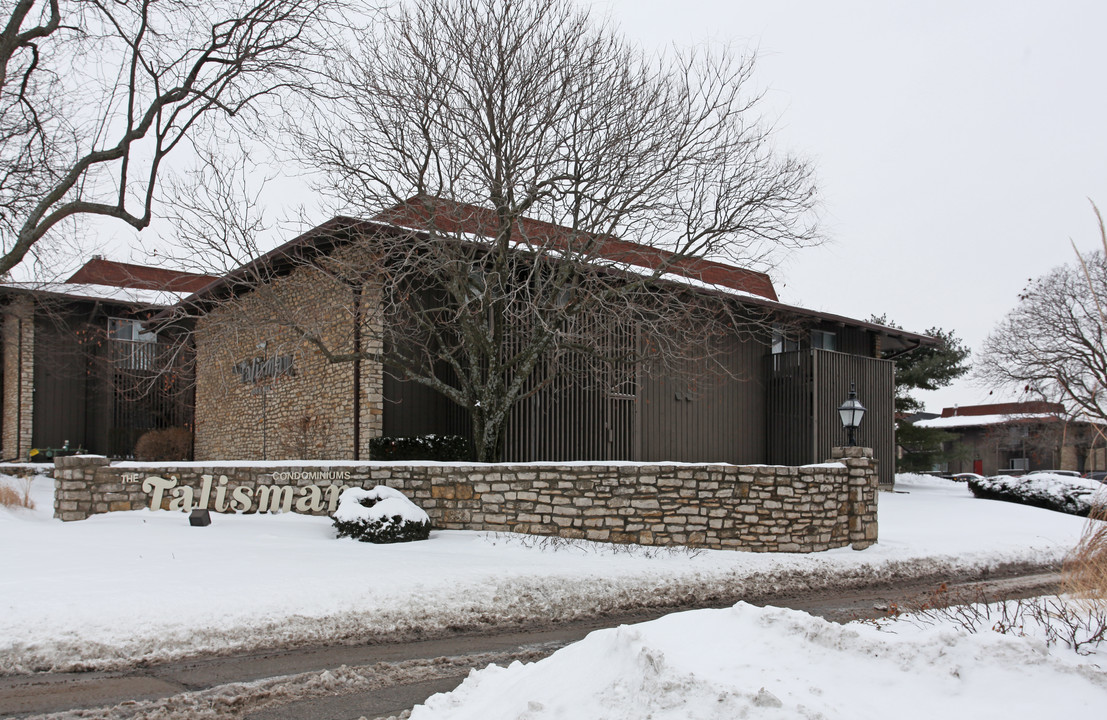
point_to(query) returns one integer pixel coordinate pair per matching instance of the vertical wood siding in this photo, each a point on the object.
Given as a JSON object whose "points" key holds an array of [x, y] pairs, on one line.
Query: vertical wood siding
{"points": [[717, 418], [148, 387], [789, 408], [61, 377], [782, 410], [806, 388], [101, 394], [579, 408], [411, 409]]}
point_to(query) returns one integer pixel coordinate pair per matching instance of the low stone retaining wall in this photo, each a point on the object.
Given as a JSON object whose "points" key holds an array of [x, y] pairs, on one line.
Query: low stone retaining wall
{"points": [[759, 508], [26, 470]]}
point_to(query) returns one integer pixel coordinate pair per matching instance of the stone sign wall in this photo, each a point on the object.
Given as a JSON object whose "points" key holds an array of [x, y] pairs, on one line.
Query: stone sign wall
{"points": [[759, 507]]}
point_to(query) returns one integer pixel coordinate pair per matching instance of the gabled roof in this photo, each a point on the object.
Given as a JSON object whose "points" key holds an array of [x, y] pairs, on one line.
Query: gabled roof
{"points": [[419, 212], [111, 294], [746, 286], [99, 271], [100, 280]]}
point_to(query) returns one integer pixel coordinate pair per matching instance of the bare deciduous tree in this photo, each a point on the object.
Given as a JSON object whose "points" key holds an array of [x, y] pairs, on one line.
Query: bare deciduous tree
{"points": [[1052, 344], [95, 94], [525, 146]]}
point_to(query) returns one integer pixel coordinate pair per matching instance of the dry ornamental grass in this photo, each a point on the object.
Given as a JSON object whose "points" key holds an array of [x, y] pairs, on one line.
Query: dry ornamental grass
{"points": [[1084, 574], [19, 496]]}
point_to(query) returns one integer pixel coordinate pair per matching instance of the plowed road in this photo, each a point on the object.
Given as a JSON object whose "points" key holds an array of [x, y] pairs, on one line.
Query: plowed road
{"points": [[384, 679]]}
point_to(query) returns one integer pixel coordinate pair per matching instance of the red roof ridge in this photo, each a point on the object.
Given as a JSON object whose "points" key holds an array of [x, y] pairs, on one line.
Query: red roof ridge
{"points": [[450, 216], [99, 271]]}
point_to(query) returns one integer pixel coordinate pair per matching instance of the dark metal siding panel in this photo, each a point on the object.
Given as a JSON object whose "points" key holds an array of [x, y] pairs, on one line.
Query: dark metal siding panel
{"points": [[148, 386], [99, 404], [578, 413], [102, 394], [853, 341], [578, 408]]}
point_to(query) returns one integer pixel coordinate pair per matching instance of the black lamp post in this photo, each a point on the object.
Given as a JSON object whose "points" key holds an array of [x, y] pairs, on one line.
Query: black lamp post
{"points": [[851, 412]]}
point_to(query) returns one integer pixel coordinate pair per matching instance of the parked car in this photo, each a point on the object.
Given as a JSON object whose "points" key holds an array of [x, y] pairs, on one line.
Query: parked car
{"points": [[1066, 473], [965, 477], [1099, 475]]}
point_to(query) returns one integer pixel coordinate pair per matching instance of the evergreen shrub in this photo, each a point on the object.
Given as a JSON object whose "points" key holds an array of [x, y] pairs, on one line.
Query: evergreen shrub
{"points": [[440, 448]]}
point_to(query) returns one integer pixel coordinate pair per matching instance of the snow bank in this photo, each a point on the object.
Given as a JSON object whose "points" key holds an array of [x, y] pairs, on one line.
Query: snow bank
{"points": [[129, 587], [774, 663], [908, 481]]}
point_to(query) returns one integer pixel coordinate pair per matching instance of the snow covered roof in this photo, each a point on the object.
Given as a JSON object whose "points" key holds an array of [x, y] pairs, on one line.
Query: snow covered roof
{"points": [[106, 293], [959, 421]]}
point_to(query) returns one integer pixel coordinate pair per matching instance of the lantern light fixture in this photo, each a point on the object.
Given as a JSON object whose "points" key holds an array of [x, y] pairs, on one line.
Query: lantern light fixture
{"points": [[851, 412]]}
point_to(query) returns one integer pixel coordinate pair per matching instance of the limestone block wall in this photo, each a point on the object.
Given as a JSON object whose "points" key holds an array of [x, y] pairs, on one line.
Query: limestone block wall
{"points": [[303, 411], [27, 469], [18, 334], [758, 508]]}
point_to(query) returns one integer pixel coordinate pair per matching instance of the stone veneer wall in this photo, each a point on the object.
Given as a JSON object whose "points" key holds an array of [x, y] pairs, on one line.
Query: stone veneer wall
{"points": [[19, 400], [759, 508], [307, 414]]}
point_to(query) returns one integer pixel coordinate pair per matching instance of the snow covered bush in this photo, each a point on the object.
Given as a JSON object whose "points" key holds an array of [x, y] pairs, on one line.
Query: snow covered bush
{"points": [[380, 515], [1052, 492]]}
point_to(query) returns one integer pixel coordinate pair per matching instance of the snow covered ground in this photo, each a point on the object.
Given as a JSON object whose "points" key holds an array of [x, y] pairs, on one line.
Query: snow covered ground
{"points": [[771, 663], [145, 586]]}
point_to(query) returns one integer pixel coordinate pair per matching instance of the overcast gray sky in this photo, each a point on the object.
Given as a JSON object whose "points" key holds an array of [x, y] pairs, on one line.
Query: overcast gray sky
{"points": [[957, 144]]}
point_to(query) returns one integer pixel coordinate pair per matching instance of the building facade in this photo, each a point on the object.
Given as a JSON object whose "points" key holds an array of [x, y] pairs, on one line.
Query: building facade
{"points": [[288, 366], [81, 369]]}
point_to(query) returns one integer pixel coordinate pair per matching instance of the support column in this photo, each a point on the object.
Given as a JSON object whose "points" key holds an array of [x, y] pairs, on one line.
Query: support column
{"points": [[864, 484], [19, 378]]}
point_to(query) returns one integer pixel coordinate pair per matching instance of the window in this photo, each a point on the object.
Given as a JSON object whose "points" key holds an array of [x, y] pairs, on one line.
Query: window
{"points": [[133, 348], [783, 343], [1020, 463], [130, 330], [823, 340]]}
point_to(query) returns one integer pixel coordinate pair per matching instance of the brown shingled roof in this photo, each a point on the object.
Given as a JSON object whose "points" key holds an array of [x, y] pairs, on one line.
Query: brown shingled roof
{"points": [[99, 271], [420, 211]]}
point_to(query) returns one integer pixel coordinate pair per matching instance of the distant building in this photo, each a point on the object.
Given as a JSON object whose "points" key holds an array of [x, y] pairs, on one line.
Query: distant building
{"points": [[1015, 438], [78, 366]]}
